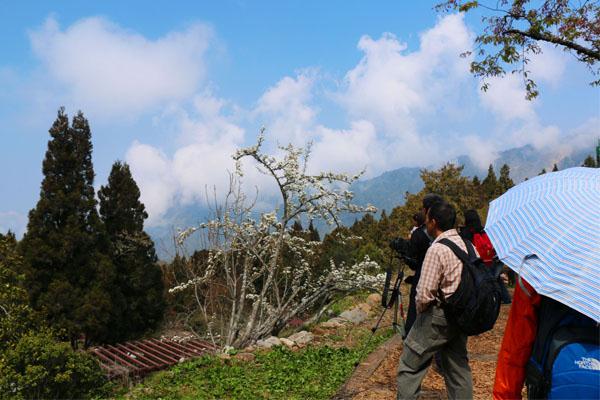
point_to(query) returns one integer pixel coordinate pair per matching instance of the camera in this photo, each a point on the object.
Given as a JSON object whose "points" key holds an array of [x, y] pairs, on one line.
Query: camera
{"points": [[401, 246]]}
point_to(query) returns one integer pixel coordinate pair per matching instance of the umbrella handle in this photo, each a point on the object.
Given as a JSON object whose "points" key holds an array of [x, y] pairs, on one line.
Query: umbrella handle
{"points": [[525, 259]]}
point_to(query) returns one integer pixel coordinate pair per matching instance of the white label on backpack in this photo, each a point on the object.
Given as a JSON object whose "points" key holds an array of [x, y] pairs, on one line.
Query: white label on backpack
{"points": [[588, 363]]}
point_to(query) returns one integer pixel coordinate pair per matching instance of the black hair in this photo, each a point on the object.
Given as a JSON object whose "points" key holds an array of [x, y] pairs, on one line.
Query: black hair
{"points": [[419, 218], [430, 199], [444, 214], [472, 220]]}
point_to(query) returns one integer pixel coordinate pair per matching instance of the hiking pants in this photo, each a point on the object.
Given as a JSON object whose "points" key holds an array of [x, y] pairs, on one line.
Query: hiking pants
{"points": [[431, 333]]}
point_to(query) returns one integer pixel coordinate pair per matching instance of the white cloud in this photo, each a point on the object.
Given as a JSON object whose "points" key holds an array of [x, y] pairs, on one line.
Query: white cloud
{"points": [[550, 138], [393, 87], [209, 137], [506, 98], [348, 151], [285, 108], [400, 91], [548, 66], [389, 98], [152, 171], [506, 95], [111, 70], [481, 151]]}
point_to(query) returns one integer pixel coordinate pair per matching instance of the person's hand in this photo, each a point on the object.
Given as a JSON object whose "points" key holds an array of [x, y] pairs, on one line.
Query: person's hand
{"points": [[504, 278]]}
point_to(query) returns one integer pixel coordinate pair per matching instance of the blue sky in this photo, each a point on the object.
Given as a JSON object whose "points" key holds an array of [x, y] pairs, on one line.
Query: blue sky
{"points": [[174, 88]]}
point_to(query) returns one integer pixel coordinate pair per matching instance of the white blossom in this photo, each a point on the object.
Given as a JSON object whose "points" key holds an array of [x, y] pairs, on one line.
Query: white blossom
{"points": [[261, 274]]}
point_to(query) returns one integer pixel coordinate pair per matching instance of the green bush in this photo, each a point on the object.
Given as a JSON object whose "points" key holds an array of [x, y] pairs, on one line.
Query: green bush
{"points": [[37, 366]]}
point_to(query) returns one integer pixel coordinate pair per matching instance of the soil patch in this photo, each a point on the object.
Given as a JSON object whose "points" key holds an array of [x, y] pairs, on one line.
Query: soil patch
{"points": [[376, 377]]}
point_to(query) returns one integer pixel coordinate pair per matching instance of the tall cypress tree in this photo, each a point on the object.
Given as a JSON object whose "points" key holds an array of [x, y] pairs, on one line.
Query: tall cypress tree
{"points": [[589, 162], [139, 278], [67, 269], [313, 233], [505, 182], [490, 184], [297, 229]]}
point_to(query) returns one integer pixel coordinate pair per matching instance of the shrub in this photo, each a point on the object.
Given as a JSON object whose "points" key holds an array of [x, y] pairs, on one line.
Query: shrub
{"points": [[37, 366]]}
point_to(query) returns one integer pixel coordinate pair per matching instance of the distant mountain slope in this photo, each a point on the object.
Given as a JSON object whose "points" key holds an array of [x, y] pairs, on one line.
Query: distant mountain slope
{"points": [[387, 190]]}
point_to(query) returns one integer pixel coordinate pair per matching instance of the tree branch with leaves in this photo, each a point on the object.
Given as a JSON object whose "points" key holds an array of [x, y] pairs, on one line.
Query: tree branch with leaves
{"points": [[514, 29]]}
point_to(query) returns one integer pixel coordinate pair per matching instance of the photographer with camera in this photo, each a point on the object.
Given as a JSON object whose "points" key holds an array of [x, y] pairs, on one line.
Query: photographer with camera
{"points": [[413, 253]]}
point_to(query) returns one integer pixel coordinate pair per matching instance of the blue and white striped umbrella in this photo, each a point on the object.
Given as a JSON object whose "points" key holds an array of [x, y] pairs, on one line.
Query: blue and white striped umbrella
{"points": [[548, 230]]}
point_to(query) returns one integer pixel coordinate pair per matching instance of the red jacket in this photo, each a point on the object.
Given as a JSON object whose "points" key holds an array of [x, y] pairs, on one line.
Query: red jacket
{"points": [[517, 344]]}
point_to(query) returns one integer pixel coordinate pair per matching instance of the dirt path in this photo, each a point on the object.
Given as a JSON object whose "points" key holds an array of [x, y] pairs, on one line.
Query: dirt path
{"points": [[376, 376]]}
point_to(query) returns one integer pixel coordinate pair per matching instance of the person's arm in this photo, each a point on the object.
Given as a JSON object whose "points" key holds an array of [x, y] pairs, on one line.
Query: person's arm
{"points": [[517, 344], [429, 280]]}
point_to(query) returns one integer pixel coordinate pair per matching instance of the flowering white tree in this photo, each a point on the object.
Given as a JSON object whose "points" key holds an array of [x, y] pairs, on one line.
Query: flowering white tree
{"points": [[256, 275]]}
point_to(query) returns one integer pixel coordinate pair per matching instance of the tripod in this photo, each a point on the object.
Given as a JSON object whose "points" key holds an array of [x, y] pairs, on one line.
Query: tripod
{"points": [[395, 302]]}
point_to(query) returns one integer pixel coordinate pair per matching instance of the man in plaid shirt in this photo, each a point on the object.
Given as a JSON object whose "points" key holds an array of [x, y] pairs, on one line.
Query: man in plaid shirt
{"points": [[432, 332]]}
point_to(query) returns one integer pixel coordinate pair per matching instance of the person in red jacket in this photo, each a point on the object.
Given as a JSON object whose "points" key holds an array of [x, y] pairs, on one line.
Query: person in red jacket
{"points": [[517, 344], [473, 232]]}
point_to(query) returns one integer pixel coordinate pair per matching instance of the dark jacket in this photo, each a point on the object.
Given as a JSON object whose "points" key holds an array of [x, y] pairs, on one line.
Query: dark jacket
{"points": [[419, 243]]}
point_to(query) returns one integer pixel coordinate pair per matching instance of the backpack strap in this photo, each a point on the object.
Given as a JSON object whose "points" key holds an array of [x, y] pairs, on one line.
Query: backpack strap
{"points": [[458, 252]]}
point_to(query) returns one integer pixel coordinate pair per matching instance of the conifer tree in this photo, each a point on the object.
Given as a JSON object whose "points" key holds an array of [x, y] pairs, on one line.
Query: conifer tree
{"points": [[504, 181], [542, 172], [589, 162], [139, 280], [490, 184], [297, 229], [555, 168], [9, 238], [67, 268], [313, 233]]}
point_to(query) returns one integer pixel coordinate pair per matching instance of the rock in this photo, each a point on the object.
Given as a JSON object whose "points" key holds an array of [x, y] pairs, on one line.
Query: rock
{"points": [[224, 356], [356, 315], [287, 342], [269, 342], [250, 349], [374, 299], [334, 323], [302, 338], [245, 356], [319, 330]]}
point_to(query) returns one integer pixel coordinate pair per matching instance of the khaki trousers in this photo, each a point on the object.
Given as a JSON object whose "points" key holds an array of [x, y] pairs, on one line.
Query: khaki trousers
{"points": [[430, 334]]}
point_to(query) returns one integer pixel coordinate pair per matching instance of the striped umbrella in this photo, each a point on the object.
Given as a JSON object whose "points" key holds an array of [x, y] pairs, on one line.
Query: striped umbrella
{"points": [[548, 230]]}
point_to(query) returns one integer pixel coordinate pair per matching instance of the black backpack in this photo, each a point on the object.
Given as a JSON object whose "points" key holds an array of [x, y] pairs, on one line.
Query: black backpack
{"points": [[565, 361], [475, 305]]}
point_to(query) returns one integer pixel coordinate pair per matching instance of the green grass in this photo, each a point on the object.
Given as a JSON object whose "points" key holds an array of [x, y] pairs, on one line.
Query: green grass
{"points": [[311, 373], [347, 302]]}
